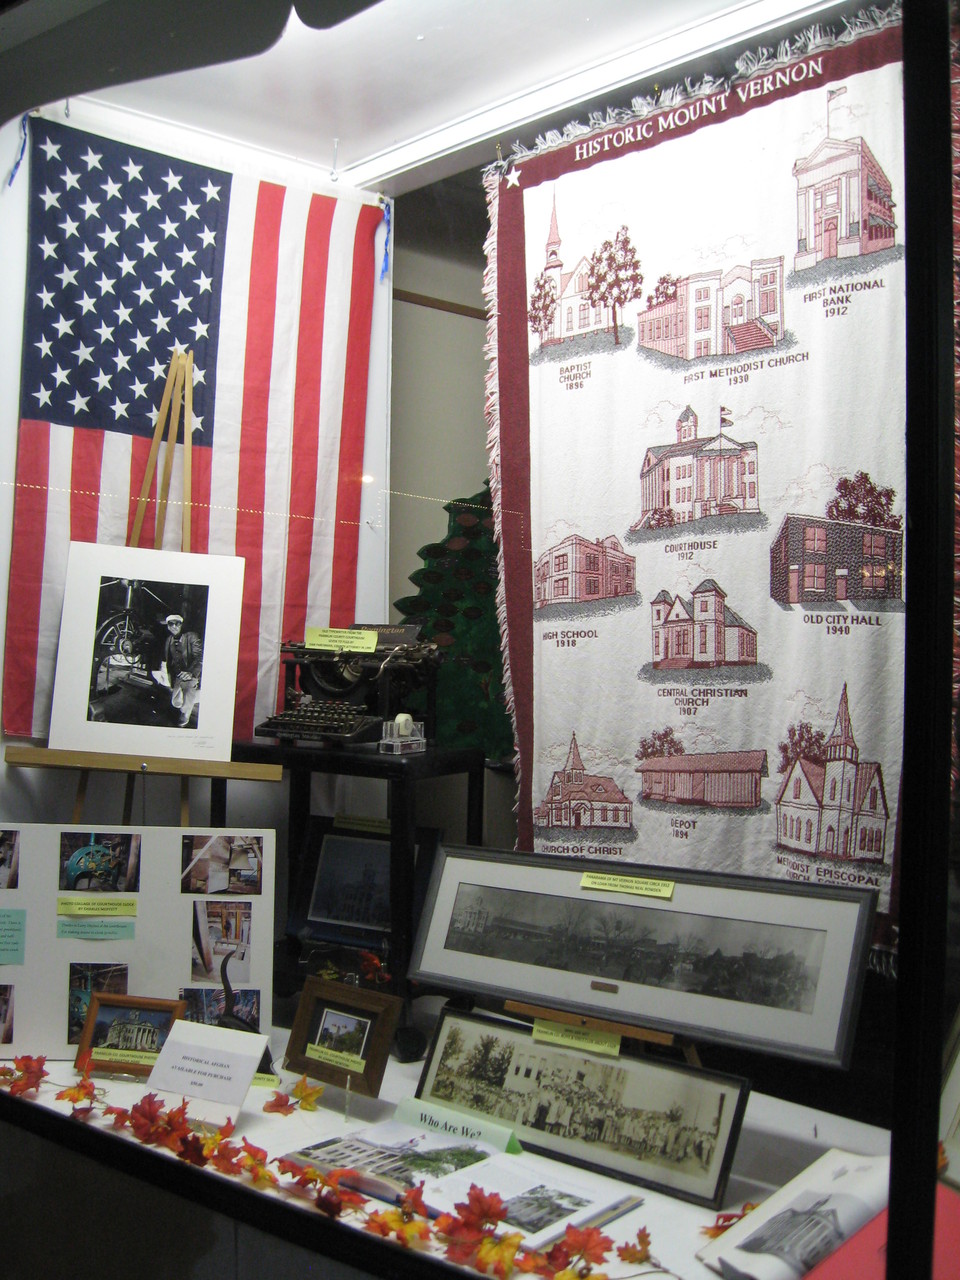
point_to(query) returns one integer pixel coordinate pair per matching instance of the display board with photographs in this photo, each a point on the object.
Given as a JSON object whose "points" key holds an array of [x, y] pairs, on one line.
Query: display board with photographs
{"points": [[657, 1123], [758, 963], [120, 912], [149, 661]]}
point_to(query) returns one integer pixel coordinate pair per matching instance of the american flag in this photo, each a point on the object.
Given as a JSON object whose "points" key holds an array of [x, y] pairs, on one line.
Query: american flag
{"points": [[134, 255]]}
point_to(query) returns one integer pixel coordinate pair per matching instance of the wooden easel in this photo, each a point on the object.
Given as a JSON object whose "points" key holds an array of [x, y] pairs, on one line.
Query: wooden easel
{"points": [[644, 1035], [177, 392]]}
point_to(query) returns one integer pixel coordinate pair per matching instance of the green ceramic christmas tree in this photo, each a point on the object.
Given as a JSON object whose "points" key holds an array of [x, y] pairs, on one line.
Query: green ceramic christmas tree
{"points": [[456, 607]]}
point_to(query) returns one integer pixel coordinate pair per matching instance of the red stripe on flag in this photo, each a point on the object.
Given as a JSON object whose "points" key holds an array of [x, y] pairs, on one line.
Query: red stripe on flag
{"points": [[258, 359], [26, 578], [139, 455], [346, 538], [85, 467], [201, 459], [306, 417]]}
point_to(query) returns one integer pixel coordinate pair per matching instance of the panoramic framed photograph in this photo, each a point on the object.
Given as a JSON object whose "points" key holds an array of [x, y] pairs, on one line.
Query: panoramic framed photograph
{"points": [[342, 1034], [663, 1125], [149, 659], [124, 1034], [343, 889], [764, 964]]}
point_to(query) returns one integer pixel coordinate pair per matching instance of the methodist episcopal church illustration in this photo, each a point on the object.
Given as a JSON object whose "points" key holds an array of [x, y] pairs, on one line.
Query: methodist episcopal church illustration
{"points": [[838, 807]]}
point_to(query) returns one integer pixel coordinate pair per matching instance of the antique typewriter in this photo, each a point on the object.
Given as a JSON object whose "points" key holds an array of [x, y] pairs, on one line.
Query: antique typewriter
{"points": [[342, 697]]}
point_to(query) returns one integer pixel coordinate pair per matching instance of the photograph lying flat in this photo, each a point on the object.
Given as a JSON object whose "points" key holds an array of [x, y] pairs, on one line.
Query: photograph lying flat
{"points": [[759, 963]]}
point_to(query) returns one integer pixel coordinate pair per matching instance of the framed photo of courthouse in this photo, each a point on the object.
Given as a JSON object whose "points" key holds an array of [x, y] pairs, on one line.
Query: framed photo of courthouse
{"points": [[123, 1034], [764, 964], [342, 1034], [659, 1124]]}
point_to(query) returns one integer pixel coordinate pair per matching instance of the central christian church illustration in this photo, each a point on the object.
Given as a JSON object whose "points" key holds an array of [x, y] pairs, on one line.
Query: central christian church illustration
{"points": [[838, 808]]}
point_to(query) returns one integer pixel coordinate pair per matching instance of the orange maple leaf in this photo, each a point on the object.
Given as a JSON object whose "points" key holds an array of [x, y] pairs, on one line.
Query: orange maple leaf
{"points": [[496, 1254], [412, 1200], [371, 969], [30, 1071], [121, 1116], [253, 1161], [587, 1243], [307, 1094], [481, 1209], [78, 1092], [225, 1156], [637, 1253], [724, 1221], [394, 1222], [280, 1104]]}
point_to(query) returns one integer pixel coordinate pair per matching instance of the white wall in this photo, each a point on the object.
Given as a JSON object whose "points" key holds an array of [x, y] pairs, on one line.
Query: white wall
{"points": [[438, 452]]}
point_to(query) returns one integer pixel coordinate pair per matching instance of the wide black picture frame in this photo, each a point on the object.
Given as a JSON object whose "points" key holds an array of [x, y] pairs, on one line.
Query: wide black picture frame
{"points": [[762, 964], [660, 1124], [342, 894]]}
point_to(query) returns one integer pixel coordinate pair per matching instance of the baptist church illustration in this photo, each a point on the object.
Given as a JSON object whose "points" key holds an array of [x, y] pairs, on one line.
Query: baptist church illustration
{"points": [[838, 808], [575, 314], [576, 798]]}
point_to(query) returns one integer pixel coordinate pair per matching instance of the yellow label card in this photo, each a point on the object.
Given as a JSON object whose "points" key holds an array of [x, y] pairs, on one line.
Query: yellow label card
{"points": [[559, 1033], [100, 904], [359, 641], [612, 883], [138, 1056], [345, 1061]]}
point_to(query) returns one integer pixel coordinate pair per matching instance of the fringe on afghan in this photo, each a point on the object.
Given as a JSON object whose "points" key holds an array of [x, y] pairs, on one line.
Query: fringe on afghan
{"points": [[811, 40], [491, 409]]}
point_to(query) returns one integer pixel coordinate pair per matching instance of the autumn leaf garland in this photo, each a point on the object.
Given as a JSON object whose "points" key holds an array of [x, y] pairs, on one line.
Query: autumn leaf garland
{"points": [[471, 1236]]}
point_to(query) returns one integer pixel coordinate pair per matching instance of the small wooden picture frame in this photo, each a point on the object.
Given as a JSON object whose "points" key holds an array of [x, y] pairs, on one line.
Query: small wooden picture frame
{"points": [[343, 1033], [124, 1034]]}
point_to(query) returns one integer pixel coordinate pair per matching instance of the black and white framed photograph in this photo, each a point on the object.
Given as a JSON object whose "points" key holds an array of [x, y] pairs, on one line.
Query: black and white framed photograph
{"points": [[660, 1124], [148, 655], [343, 889], [758, 963], [342, 1034]]}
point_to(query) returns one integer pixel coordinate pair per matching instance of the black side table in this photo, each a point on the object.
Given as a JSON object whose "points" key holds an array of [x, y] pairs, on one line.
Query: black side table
{"points": [[401, 774]]}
